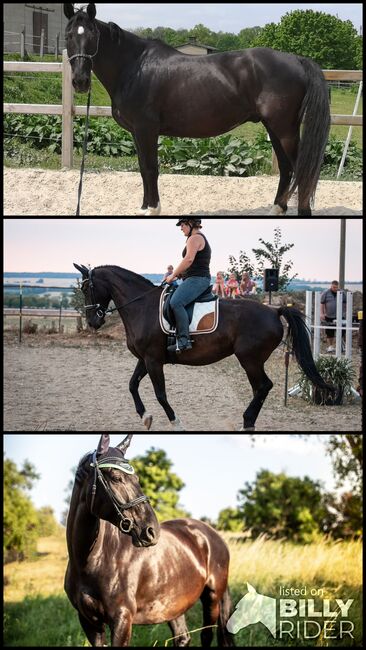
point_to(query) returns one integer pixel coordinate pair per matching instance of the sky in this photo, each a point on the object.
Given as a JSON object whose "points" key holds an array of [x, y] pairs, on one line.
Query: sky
{"points": [[226, 17], [214, 468], [146, 245]]}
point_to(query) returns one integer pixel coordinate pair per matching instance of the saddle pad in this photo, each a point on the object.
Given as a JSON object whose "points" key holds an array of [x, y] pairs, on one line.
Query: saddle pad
{"points": [[205, 318]]}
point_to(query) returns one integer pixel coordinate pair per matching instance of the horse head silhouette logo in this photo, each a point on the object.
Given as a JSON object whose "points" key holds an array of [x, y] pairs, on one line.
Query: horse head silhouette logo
{"points": [[253, 608]]}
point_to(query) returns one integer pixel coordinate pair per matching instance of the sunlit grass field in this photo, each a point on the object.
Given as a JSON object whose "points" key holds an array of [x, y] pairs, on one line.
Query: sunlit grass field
{"points": [[38, 613]]}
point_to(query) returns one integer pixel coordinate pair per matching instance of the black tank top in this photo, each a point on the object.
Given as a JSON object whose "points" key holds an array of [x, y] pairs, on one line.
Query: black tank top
{"points": [[201, 265]]}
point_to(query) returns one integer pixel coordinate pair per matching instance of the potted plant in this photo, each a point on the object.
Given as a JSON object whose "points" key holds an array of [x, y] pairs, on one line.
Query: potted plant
{"points": [[337, 372]]}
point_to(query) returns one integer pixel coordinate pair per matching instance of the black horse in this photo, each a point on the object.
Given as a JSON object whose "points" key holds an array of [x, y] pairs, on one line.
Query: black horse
{"points": [[128, 570], [156, 90], [247, 329]]}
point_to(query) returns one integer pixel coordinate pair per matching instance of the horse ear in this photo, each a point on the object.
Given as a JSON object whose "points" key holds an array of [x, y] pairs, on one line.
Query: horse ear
{"points": [[123, 446], [83, 270], [103, 444], [251, 589], [69, 10], [91, 10]]}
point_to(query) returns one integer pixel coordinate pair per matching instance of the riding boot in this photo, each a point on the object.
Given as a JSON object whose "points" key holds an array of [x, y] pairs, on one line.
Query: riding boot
{"points": [[182, 323]]}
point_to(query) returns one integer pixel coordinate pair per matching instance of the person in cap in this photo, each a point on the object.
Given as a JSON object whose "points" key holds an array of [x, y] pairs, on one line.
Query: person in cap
{"points": [[194, 269]]}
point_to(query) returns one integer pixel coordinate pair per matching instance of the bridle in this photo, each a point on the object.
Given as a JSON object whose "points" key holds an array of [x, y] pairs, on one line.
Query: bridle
{"points": [[87, 56], [126, 524], [100, 311]]}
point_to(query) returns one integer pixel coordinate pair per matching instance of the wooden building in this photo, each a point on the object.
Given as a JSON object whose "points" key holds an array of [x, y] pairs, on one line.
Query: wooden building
{"points": [[33, 18]]}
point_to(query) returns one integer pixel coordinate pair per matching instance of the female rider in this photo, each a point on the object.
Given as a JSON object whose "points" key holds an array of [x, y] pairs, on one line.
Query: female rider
{"points": [[195, 271]]}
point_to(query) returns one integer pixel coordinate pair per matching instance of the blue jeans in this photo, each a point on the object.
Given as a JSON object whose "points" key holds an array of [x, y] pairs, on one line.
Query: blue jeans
{"points": [[186, 293]]}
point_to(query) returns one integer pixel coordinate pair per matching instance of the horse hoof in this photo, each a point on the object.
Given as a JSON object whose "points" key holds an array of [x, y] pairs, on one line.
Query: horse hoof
{"points": [[152, 212], [147, 420], [248, 429], [177, 425], [276, 209]]}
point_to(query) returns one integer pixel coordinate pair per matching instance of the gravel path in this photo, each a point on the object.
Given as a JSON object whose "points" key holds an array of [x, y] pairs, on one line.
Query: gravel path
{"points": [[35, 192], [81, 384]]}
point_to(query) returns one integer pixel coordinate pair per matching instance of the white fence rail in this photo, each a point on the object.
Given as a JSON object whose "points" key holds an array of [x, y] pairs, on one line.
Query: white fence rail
{"points": [[68, 110]]}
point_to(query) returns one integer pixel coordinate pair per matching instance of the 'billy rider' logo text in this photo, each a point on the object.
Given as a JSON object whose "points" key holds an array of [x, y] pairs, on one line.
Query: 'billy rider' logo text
{"points": [[294, 617]]}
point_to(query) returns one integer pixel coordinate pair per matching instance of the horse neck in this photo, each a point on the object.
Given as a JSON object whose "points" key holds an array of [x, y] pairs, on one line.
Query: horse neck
{"points": [[82, 531], [126, 286], [114, 62]]}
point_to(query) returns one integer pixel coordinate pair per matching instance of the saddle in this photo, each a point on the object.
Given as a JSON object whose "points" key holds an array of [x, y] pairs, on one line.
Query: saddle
{"points": [[203, 313]]}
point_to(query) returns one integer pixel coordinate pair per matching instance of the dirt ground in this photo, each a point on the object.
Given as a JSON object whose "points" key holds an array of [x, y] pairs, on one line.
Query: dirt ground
{"points": [[80, 383], [36, 192]]}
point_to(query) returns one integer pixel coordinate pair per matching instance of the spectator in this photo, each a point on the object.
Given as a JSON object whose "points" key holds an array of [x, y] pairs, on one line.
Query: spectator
{"points": [[219, 287], [328, 311], [168, 273], [232, 288], [247, 285]]}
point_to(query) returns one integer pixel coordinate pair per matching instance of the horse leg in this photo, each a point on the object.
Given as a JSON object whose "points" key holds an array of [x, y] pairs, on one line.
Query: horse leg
{"points": [[180, 632], [145, 202], [146, 138], [156, 374], [95, 635], [138, 375], [224, 638], [286, 151], [121, 627], [261, 385], [211, 613]]}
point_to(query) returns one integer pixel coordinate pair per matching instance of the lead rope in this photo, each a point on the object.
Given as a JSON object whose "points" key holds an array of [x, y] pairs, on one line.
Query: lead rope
{"points": [[84, 154]]}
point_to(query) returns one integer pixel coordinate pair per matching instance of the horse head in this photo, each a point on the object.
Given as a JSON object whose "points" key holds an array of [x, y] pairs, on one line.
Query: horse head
{"points": [[111, 491], [97, 298], [82, 42]]}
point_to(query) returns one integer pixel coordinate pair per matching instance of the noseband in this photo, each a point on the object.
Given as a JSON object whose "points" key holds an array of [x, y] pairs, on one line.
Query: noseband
{"points": [[125, 524]]}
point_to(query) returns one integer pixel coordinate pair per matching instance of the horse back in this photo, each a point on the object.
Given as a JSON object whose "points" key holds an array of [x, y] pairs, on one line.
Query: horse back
{"points": [[201, 539]]}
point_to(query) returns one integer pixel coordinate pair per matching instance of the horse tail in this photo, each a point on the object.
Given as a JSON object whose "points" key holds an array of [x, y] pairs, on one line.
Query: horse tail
{"points": [[225, 639], [299, 336], [316, 114]]}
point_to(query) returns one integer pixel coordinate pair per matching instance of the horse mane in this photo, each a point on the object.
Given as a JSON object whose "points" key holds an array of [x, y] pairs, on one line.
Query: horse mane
{"points": [[130, 274], [115, 32]]}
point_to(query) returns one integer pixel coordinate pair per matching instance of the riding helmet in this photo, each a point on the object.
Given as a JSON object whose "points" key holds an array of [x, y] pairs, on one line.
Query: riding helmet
{"points": [[197, 222]]}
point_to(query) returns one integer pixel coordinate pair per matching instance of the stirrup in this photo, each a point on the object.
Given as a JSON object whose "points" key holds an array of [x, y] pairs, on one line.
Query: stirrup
{"points": [[177, 350]]}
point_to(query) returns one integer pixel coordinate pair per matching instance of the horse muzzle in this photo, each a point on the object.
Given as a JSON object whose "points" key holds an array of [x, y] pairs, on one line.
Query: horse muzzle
{"points": [[81, 85], [149, 536]]}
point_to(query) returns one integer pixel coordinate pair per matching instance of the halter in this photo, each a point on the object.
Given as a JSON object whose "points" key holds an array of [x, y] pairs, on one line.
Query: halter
{"points": [[87, 56], [125, 524]]}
